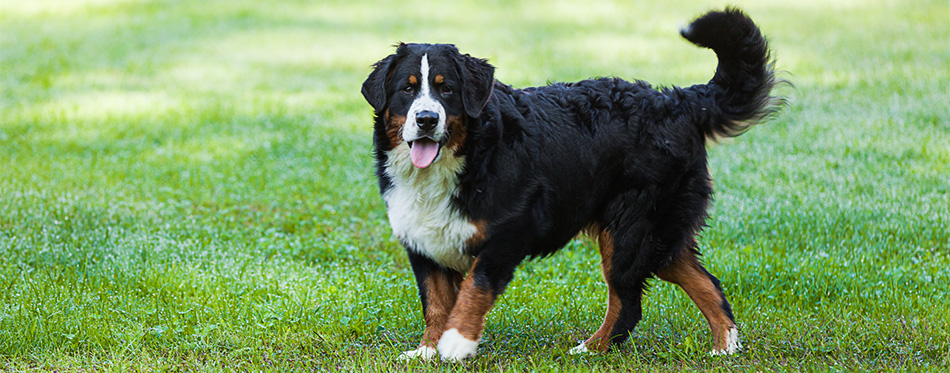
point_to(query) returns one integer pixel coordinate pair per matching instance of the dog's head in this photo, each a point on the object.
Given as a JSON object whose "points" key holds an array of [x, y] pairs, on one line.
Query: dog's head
{"points": [[424, 94]]}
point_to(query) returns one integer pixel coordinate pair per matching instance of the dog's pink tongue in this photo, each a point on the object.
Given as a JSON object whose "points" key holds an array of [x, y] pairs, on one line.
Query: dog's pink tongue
{"points": [[423, 152]]}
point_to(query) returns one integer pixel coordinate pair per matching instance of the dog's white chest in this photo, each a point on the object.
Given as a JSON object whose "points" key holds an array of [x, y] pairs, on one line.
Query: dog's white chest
{"points": [[420, 208]]}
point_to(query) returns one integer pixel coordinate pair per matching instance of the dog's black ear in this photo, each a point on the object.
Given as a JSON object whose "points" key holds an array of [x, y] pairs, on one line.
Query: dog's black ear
{"points": [[374, 88], [478, 77]]}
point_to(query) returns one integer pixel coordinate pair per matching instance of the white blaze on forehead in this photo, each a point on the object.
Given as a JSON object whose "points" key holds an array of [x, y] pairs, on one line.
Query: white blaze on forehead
{"points": [[424, 70], [424, 101]]}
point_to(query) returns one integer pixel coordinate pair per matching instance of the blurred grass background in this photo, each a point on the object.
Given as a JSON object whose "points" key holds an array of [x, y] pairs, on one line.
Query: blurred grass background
{"points": [[188, 185]]}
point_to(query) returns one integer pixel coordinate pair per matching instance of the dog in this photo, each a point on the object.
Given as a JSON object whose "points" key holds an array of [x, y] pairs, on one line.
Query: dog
{"points": [[477, 176]]}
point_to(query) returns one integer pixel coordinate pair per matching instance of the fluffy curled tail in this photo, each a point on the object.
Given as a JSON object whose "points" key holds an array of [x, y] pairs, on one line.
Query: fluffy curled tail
{"points": [[742, 86]]}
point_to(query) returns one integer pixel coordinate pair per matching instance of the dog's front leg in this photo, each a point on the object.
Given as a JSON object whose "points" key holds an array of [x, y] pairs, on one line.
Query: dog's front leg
{"points": [[486, 280], [438, 290]]}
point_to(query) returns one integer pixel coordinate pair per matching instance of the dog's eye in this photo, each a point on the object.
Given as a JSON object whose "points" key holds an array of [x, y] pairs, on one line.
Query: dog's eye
{"points": [[445, 90], [407, 89]]}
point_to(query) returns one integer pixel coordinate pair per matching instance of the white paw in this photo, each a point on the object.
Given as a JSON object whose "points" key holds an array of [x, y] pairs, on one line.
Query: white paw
{"points": [[733, 345], [453, 347], [579, 349], [424, 353]]}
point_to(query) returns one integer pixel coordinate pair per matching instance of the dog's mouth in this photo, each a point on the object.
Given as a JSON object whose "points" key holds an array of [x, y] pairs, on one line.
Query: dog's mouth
{"points": [[424, 151]]}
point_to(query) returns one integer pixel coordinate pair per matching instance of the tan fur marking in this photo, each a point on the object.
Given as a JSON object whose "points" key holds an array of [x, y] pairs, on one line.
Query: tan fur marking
{"points": [[473, 303], [592, 230], [413, 80], [439, 79], [686, 271], [441, 293], [456, 126], [394, 125], [480, 235], [600, 341]]}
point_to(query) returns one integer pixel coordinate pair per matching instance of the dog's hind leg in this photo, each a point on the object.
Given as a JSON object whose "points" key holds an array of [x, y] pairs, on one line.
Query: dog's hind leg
{"points": [[624, 292], [703, 288]]}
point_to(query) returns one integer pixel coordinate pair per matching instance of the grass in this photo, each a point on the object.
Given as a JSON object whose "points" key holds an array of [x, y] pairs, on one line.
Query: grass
{"points": [[188, 186]]}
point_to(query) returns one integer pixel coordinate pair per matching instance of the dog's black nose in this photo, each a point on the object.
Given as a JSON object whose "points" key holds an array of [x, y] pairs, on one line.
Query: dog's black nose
{"points": [[426, 120]]}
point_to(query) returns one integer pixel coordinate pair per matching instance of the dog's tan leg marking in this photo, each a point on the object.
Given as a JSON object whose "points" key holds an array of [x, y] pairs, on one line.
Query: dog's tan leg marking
{"points": [[600, 341], [686, 271], [441, 293], [441, 289], [467, 320]]}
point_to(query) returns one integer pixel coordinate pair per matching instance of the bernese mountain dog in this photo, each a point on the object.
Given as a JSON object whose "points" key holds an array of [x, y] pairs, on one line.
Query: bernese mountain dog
{"points": [[477, 176]]}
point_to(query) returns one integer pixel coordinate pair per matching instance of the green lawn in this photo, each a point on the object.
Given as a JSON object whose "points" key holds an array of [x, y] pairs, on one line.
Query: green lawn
{"points": [[188, 186]]}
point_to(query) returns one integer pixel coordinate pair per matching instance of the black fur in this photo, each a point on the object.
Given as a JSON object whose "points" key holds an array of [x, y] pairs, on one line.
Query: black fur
{"points": [[745, 75], [543, 163]]}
